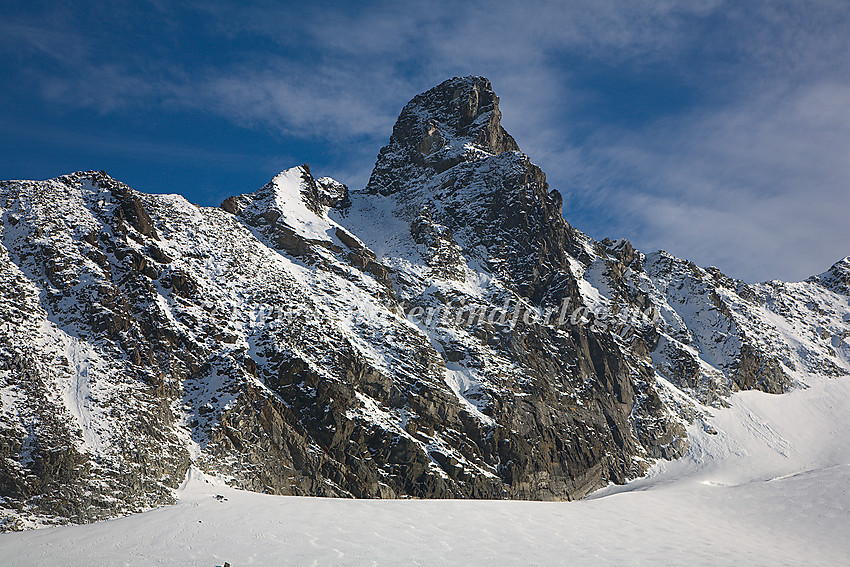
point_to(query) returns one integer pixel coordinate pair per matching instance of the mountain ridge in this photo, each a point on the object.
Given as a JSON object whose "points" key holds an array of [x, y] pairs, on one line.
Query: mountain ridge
{"points": [[281, 343]]}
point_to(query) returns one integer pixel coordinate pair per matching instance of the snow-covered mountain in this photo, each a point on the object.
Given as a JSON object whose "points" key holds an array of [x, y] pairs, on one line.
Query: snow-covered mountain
{"points": [[441, 333]]}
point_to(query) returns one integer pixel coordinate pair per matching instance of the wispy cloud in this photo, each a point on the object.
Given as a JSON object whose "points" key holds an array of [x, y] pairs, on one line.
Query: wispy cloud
{"points": [[761, 189], [356, 68], [755, 178]]}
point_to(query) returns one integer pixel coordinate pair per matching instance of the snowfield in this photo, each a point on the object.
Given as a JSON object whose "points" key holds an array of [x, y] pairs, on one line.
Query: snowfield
{"points": [[768, 485]]}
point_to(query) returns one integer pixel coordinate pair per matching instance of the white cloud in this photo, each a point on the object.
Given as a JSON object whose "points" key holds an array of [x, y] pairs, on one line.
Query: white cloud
{"points": [[761, 190]]}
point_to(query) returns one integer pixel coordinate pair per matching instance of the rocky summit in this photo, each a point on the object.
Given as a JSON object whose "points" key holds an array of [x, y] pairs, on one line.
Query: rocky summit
{"points": [[441, 333]]}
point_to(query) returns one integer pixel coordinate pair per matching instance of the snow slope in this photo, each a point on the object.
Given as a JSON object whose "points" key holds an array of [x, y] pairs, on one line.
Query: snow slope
{"points": [[767, 487]]}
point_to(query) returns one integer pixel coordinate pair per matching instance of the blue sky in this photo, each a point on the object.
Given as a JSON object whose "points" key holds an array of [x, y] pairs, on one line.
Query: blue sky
{"points": [[718, 131]]}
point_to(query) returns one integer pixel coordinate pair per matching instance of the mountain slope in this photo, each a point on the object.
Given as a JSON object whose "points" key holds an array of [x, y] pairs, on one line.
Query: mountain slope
{"points": [[443, 333], [767, 488]]}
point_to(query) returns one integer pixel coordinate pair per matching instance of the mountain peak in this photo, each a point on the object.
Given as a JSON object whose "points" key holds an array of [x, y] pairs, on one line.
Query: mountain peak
{"points": [[295, 199], [464, 109], [837, 278], [456, 121]]}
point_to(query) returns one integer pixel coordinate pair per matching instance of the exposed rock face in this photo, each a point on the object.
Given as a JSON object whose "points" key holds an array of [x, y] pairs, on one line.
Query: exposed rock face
{"points": [[837, 278], [439, 129], [443, 333], [88, 367]]}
